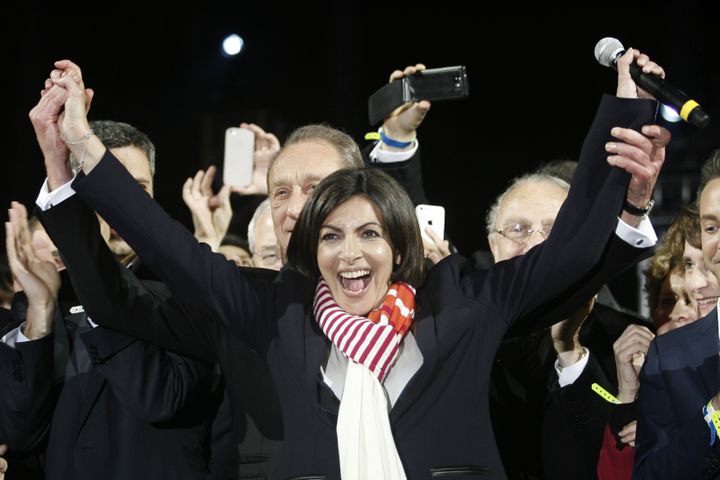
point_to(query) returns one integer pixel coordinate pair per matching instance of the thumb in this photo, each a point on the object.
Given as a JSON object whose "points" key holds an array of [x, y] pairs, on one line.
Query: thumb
{"points": [[89, 95]]}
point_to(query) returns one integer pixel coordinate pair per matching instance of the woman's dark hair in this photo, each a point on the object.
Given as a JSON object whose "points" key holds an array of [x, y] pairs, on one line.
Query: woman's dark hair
{"points": [[398, 217]]}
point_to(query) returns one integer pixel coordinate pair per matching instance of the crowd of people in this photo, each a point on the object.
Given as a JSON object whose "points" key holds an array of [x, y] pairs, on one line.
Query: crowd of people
{"points": [[331, 339]]}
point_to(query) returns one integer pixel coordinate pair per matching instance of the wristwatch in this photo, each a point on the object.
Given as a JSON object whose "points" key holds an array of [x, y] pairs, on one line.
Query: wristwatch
{"points": [[633, 210]]}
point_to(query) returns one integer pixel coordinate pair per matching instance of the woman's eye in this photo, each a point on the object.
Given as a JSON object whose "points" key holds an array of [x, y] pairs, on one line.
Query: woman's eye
{"points": [[280, 193], [328, 236], [371, 234], [710, 229]]}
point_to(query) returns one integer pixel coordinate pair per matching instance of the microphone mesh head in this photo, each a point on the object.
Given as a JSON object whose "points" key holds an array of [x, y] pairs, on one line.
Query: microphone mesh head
{"points": [[607, 50]]}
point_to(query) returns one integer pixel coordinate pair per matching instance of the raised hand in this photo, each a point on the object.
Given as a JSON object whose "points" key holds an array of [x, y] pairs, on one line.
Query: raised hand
{"points": [[37, 276], [211, 213], [566, 335], [630, 350], [627, 434], [3, 463], [402, 123], [436, 248], [642, 155], [627, 88], [266, 147]]}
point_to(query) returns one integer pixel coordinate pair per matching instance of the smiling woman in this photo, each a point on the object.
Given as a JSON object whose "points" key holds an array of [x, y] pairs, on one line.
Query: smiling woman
{"points": [[365, 235]]}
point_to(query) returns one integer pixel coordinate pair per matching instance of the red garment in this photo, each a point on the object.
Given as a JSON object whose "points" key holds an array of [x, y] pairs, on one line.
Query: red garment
{"points": [[613, 463]]}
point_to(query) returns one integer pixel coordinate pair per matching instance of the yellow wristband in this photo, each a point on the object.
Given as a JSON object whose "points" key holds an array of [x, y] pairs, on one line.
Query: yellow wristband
{"points": [[372, 136], [714, 416], [605, 394]]}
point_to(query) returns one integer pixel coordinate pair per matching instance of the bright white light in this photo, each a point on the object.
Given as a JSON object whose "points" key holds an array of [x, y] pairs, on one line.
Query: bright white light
{"points": [[232, 44], [669, 114]]}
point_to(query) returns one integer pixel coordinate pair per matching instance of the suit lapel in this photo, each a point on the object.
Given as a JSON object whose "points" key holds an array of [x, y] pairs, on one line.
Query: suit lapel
{"points": [[705, 347], [94, 383], [427, 341]]}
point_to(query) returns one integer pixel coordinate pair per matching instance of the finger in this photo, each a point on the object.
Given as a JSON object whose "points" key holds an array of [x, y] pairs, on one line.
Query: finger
{"points": [[433, 235], [69, 65], [257, 129], [89, 95], [660, 136], [197, 181], [423, 106], [272, 140], [20, 222], [409, 70], [224, 196], [629, 428], [207, 179], [642, 59], [396, 75], [16, 266], [653, 69], [435, 257], [633, 336], [641, 172], [251, 190], [632, 137], [420, 67], [187, 189], [444, 248]]}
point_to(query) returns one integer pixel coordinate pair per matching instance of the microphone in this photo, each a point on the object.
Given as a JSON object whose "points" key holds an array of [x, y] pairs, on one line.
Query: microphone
{"points": [[607, 52]]}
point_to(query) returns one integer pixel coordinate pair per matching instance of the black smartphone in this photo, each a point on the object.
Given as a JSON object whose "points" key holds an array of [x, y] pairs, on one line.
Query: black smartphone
{"points": [[447, 83]]}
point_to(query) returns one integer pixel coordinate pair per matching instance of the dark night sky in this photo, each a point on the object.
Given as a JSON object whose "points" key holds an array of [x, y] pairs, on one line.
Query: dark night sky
{"points": [[533, 78]]}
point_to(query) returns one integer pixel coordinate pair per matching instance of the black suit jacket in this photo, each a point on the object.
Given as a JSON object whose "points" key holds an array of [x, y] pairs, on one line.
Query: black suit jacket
{"points": [[105, 404], [680, 375], [248, 431], [441, 424]]}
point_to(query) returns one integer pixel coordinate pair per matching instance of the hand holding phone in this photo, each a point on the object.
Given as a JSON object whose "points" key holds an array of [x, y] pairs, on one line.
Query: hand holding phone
{"points": [[432, 216], [238, 157], [448, 83]]}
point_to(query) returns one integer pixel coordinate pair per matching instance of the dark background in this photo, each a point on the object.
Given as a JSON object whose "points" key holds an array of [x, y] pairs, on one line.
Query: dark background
{"points": [[534, 87]]}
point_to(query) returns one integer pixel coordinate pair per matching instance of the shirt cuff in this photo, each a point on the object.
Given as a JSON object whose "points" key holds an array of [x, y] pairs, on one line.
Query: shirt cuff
{"points": [[91, 323], [14, 337], [47, 199], [568, 375], [377, 155], [642, 236]]}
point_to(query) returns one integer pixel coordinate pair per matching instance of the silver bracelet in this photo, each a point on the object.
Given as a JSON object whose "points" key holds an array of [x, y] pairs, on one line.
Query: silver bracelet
{"points": [[82, 139]]}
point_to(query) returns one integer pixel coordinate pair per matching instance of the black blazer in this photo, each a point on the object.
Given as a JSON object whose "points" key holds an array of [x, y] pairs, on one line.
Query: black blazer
{"points": [[680, 375], [440, 422], [247, 436], [105, 404]]}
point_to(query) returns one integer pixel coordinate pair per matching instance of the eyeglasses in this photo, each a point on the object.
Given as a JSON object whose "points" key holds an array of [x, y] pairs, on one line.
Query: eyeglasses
{"points": [[520, 233]]}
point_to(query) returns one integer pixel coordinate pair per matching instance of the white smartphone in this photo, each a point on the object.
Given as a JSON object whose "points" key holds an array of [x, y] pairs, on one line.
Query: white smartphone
{"points": [[432, 216], [238, 158]]}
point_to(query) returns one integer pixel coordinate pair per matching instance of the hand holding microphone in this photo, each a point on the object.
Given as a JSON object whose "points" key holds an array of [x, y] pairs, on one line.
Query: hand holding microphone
{"points": [[609, 51]]}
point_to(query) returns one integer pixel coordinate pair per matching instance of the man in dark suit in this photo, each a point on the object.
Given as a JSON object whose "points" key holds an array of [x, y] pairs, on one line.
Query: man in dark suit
{"points": [[677, 433], [540, 379], [108, 405]]}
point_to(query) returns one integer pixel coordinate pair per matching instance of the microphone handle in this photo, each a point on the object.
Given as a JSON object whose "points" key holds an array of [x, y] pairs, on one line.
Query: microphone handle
{"points": [[688, 108]]}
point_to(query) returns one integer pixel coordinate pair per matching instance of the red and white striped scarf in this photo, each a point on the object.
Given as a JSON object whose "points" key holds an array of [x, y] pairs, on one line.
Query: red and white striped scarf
{"points": [[365, 441], [372, 341]]}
